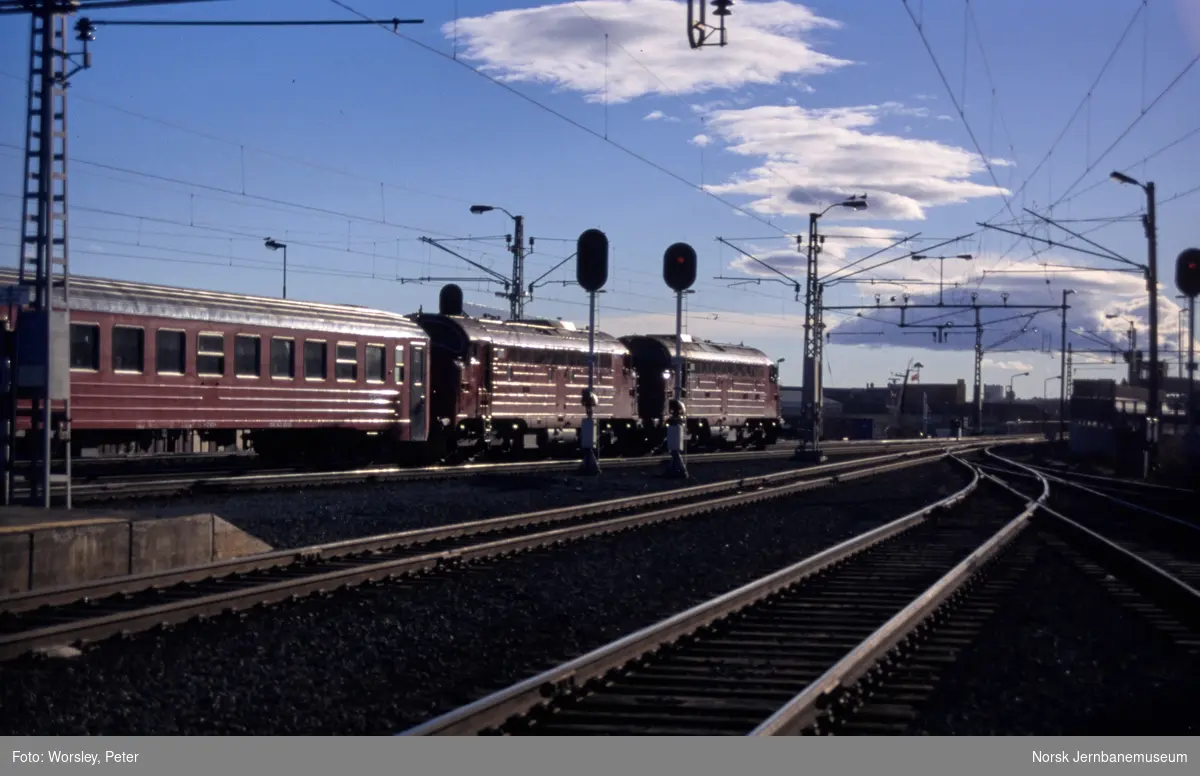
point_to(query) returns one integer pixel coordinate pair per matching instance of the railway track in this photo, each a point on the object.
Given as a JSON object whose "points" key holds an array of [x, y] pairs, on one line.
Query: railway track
{"points": [[1166, 535], [766, 656], [851, 640], [101, 488], [1145, 563], [91, 612]]}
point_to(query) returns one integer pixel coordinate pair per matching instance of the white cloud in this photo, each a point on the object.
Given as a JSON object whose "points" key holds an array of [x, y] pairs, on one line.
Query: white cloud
{"points": [[700, 140], [655, 115], [1014, 366], [564, 45], [1096, 295], [944, 117], [828, 154]]}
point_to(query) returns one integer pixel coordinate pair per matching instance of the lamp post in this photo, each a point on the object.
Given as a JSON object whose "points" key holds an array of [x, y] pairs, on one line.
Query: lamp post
{"points": [[275, 245], [941, 260], [1012, 396], [516, 297], [1153, 409], [809, 447], [1062, 355], [1046, 386]]}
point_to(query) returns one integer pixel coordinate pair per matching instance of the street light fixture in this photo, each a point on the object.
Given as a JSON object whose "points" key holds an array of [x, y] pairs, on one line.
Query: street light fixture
{"points": [[941, 260], [1046, 385], [516, 297], [1012, 396], [1149, 222], [276, 245], [809, 447]]}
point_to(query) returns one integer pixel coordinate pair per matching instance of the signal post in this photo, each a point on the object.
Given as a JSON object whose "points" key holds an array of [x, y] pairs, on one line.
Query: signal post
{"points": [[679, 272], [591, 271]]}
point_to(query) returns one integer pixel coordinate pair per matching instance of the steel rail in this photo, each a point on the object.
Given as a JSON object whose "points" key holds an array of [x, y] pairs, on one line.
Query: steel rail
{"points": [[1160, 584], [807, 706], [127, 584], [127, 488], [525, 696], [16, 644], [1042, 472]]}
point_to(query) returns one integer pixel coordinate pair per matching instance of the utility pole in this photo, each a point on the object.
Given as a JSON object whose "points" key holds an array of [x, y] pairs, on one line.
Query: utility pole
{"points": [[978, 397], [1153, 410], [517, 303], [1062, 385], [515, 286], [809, 448]]}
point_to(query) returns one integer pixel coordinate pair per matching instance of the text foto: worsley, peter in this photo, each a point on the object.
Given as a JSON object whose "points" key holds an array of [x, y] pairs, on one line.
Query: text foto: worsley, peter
{"points": [[81, 758], [1109, 757]]}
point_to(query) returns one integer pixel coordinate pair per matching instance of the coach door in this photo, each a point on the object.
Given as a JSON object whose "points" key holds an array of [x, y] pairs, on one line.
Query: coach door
{"points": [[416, 394]]}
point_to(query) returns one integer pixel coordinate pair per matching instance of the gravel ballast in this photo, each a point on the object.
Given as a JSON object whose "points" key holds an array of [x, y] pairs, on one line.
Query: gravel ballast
{"points": [[286, 519], [1062, 656], [379, 660]]}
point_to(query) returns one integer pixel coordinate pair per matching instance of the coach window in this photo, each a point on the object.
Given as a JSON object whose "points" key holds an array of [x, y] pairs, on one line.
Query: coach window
{"points": [[170, 352], [247, 351], [283, 358], [314, 360], [128, 348], [346, 368], [375, 368], [398, 367], [85, 346], [210, 355]]}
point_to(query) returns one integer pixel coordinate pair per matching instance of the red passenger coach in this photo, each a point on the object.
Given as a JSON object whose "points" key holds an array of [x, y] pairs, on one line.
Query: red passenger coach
{"points": [[160, 368], [519, 384], [731, 392]]}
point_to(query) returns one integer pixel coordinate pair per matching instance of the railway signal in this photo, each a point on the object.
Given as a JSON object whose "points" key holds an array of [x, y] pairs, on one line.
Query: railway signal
{"points": [[1187, 272], [679, 272], [591, 270], [450, 300], [679, 267], [591, 260]]}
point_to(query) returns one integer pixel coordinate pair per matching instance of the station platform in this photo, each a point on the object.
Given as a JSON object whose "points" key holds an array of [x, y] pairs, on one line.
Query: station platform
{"points": [[47, 548]]}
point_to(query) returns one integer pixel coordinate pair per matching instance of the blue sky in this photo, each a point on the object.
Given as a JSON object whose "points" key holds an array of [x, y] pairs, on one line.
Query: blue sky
{"points": [[350, 143]]}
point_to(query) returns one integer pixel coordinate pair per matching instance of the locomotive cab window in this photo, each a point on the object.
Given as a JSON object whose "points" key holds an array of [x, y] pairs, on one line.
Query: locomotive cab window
{"points": [[283, 358], [346, 368], [418, 365], [247, 351], [398, 367], [314, 360], [375, 366], [210, 355], [85, 346], [170, 354], [128, 348]]}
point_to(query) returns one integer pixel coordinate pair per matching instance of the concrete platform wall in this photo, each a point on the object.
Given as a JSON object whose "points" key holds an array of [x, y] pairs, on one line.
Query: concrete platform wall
{"points": [[74, 554]]}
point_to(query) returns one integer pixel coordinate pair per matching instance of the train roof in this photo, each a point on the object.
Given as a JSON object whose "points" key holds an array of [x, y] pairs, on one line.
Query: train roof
{"points": [[536, 334], [120, 297], [706, 350]]}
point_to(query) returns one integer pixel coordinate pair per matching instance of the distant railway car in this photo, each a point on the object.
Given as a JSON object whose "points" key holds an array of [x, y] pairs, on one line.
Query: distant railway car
{"points": [[731, 392], [154, 368], [519, 384]]}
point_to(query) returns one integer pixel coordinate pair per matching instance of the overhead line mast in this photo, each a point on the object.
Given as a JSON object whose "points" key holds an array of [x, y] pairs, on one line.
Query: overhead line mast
{"points": [[36, 373]]}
